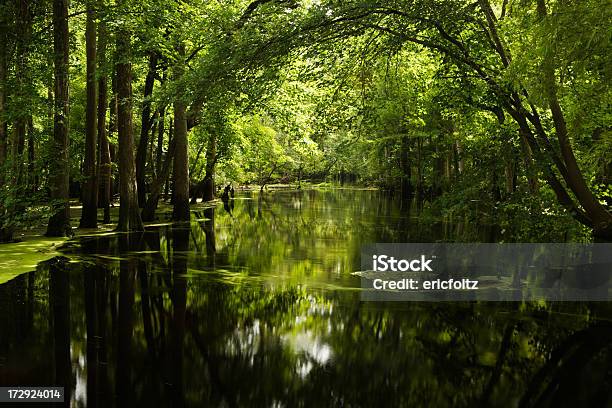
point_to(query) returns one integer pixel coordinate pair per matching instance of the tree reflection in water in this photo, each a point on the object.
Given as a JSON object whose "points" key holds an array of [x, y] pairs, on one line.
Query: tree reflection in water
{"points": [[260, 309]]}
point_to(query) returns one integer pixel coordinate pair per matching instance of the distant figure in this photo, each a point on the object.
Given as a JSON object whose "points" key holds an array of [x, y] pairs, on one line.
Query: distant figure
{"points": [[226, 194], [232, 192]]}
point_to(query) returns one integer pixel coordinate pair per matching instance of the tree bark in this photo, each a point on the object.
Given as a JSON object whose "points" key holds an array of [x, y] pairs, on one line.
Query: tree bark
{"points": [[32, 175], [601, 218], [89, 215], [59, 223], [6, 232], [148, 212], [104, 162], [560, 192], [167, 181], [3, 124], [141, 154], [129, 212], [208, 193], [112, 128], [23, 31], [181, 164], [181, 154], [160, 139], [151, 148], [405, 167]]}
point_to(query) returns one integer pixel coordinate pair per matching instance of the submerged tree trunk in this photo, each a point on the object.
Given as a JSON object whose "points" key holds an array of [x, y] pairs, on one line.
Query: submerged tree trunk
{"points": [[180, 245], [104, 161], [89, 215], [59, 223], [59, 302], [129, 212], [125, 321], [141, 154]]}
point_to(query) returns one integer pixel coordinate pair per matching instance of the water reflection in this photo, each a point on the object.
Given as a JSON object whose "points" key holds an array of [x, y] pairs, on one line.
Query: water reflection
{"points": [[257, 307]]}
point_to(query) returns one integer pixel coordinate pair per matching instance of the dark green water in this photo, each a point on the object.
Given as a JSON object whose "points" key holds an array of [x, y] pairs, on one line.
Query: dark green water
{"points": [[254, 305]]}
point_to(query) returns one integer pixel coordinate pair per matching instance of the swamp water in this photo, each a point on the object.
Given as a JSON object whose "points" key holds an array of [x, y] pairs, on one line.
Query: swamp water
{"points": [[255, 304]]}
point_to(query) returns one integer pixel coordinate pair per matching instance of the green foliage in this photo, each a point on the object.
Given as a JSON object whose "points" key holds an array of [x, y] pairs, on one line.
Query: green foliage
{"points": [[412, 96], [263, 151], [20, 208]]}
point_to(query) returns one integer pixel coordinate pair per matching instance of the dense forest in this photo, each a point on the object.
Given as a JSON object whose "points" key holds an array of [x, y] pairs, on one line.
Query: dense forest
{"points": [[499, 108], [187, 188]]}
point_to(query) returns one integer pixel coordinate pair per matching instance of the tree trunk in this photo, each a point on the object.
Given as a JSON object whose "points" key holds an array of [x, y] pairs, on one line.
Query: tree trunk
{"points": [[208, 193], [23, 31], [129, 213], [601, 218], [510, 174], [59, 223], [104, 162], [405, 167], [151, 148], [141, 154], [530, 168], [197, 191], [181, 155], [148, 212], [3, 124], [419, 168], [459, 157], [167, 181], [181, 164], [6, 232], [560, 192], [160, 139], [112, 129], [32, 175], [89, 215]]}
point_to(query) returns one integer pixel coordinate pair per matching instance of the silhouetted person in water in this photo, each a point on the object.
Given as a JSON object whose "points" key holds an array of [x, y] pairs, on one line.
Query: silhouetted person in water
{"points": [[225, 197], [226, 193], [232, 192]]}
